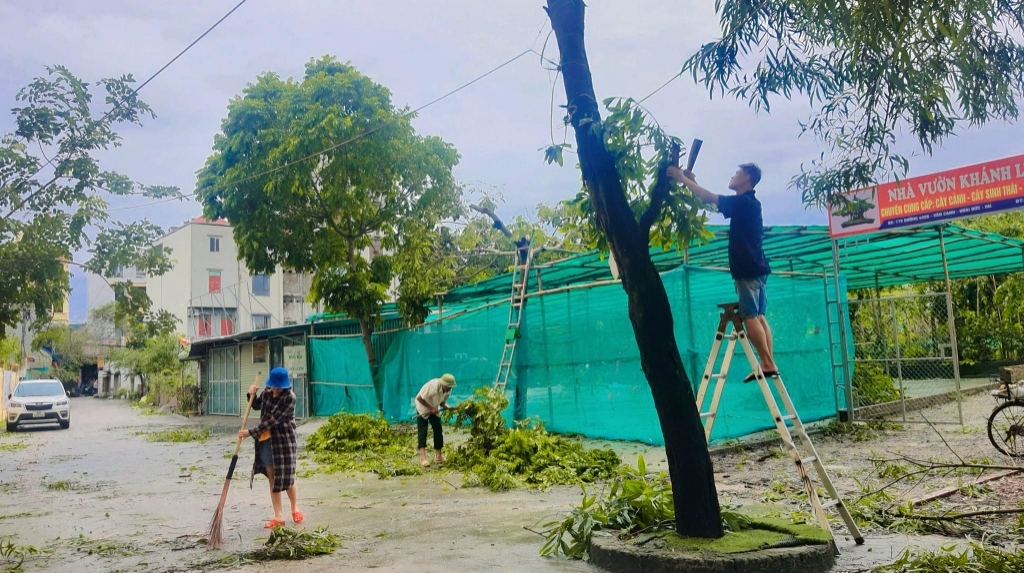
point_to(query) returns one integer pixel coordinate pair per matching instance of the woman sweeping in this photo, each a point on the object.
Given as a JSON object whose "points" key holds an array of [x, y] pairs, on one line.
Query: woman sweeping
{"points": [[276, 442]]}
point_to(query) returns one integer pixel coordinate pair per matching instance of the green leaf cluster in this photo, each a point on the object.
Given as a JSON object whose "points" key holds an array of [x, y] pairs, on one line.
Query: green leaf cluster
{"points": [[69, 344], [180, 435], [13, 555], [978, 558], [363, 443], [501, 458], [283, 544], [10, 351], [287, 543], [53, 191], [154, 360], [872, 71], [634, 501], [873, 385], [642, 150]]}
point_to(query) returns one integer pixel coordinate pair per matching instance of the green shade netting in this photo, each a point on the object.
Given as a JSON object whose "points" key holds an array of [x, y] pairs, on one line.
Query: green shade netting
{"points": [[577, 366], [341, 379]]}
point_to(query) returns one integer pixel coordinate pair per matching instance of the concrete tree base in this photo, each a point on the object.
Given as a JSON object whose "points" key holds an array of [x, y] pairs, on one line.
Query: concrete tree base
{"points": [[611, 554]]}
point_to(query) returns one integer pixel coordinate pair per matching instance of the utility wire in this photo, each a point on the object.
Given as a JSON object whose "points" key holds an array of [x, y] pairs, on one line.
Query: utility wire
{"points": [[117, 104], [349, 140], [385, 124], [663, 86]]}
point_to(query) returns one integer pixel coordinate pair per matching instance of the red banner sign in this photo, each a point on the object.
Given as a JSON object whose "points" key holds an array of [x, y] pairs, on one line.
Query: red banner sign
{"points": [[965, 192]]}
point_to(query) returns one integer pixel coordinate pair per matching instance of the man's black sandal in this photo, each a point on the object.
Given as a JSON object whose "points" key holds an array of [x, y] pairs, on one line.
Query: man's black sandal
{"points": [[767, 374]]}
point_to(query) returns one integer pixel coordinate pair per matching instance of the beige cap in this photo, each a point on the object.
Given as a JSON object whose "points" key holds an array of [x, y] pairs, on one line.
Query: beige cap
{"points": [[448, 381]]}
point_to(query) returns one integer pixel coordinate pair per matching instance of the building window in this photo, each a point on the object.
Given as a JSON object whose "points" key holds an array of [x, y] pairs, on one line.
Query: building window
{"points": [[203, 325], [227, 326], [214, 281], [140, 274], [260, 321], [261, 285], [214, 244]]}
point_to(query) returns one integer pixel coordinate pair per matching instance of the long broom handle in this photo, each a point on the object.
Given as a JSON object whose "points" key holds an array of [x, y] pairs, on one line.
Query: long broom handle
{"points": [[245, 419]]}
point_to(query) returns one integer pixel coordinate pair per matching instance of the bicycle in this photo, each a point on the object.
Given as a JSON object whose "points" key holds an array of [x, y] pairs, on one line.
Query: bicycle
{"points": [[1006, 422]]}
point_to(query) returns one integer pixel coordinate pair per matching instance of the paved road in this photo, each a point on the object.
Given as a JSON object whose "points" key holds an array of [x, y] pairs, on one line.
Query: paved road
{"points": [[141, 506], [137, 506]]}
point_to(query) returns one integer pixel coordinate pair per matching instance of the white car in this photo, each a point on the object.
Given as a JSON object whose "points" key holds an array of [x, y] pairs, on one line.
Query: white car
{"points": [[38, 402]]}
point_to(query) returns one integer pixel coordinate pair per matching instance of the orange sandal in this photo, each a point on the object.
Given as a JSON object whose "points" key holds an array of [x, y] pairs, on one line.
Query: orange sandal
{"points": [[273, 523], [297, 517]]}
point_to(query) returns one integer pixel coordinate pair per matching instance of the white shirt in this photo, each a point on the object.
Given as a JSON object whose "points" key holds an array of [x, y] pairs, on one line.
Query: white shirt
{"points": [[433, 393]]}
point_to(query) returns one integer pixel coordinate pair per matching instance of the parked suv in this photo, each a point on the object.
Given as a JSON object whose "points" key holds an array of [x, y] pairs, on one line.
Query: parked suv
{"points": [[38, 402]]}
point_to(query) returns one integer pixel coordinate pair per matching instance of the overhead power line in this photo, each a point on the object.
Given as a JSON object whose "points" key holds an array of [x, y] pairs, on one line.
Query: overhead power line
{"points": [[387, 123], [351, 139], [134, 92]]}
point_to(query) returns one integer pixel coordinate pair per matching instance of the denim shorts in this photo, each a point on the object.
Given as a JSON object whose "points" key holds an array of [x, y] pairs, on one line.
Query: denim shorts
{"points": [[753, 300], [265, 453]]}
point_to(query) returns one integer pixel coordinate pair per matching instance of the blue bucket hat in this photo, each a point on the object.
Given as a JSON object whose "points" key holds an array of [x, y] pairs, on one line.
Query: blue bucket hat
{"points": [[278, 378]]}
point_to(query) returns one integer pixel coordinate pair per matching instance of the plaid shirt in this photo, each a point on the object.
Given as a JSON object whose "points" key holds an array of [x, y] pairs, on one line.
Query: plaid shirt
{"points": [[277, 414]]}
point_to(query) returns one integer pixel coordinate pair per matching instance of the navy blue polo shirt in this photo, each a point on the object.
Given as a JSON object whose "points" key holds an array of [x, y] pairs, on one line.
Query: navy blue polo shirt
{"points": [[746, 232]]}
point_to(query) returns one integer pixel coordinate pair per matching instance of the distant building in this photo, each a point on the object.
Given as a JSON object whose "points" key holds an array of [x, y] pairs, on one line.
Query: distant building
{"points": [[213, 294]]}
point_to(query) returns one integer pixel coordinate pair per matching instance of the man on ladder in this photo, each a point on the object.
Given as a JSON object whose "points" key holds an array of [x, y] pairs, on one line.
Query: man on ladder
{"points": [[747, 263], [749, 269]]}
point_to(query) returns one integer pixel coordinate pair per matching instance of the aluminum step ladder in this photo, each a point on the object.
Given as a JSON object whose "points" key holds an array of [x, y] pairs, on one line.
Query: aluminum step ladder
{"points": [[788, 423], [520, 281]]}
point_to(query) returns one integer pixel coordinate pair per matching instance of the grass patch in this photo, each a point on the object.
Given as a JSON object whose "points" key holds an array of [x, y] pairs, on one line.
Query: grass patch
{"points": [[180, 435], [12, 446], [756, 534]]}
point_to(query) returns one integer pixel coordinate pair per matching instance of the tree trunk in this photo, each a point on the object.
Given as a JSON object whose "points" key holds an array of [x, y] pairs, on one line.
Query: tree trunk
{"points": [[365, 324], [366, 330], [693, 482]]}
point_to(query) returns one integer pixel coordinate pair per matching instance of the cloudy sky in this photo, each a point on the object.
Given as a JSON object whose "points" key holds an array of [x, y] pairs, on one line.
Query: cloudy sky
{"points": [[419, 49]]}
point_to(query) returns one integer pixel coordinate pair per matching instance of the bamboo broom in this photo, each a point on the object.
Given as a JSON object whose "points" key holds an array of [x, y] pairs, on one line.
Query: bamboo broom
{"points": [[214, 535]]}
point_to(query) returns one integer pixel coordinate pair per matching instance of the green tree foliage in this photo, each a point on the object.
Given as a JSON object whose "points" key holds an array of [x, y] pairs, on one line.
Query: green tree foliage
{"points": [[155, 361], [360, 216], [872, 71], [642, 149], [67, 343], [52, 190], [990, 309], [10, 352]]}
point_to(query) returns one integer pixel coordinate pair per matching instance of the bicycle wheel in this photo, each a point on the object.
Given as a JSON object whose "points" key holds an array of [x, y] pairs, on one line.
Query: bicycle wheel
{"points": [[1006, 428]]}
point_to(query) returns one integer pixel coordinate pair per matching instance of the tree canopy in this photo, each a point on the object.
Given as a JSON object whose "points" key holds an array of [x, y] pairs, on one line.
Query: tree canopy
{"points": [[872, 70], [53, 193], [326, 174]]}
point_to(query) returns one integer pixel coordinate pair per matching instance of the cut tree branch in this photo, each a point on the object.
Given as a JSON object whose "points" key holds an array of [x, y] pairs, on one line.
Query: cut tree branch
{"points": [[659, 192], [497, 222], [956, 516]]}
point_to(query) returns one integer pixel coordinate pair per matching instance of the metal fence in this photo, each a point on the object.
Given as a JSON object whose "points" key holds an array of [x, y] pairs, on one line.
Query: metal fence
{"points": [[905, 358]]}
